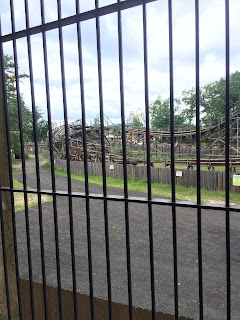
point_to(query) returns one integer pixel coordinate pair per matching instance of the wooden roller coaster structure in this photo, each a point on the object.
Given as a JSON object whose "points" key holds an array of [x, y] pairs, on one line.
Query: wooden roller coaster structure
{"points": [[212, 139], [76, 151]]}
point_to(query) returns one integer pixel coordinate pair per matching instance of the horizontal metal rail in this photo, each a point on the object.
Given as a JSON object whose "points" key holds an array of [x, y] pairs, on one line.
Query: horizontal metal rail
{"points": [[97, 196], [74, 19]]}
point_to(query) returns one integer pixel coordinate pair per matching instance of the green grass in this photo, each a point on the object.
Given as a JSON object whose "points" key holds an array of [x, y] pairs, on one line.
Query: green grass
{"points": [[39, 153], [19, 197], [161, 190], [32, 198], [181, 166], [43, 155]]}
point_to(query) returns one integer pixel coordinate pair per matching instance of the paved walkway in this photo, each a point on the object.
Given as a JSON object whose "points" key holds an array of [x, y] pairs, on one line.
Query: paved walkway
{"points": [[214, 257]]}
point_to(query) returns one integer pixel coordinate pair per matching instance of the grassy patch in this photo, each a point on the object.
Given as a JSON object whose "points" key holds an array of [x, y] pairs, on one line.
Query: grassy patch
{"points": [[40, 154], [43, 155], [31, 198], [161, 190], [181, 166]]}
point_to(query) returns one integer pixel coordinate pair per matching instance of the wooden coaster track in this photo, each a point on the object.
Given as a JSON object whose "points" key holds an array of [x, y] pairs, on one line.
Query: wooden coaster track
{"points": [[212, 139]]}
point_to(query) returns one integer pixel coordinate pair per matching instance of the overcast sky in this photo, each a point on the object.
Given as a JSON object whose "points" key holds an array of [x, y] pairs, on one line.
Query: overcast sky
{"points": [[212, 53]]}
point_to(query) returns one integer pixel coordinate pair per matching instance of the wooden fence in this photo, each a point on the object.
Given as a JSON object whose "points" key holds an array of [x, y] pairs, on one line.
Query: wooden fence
{"points": [[210, 180], [119, 311]]}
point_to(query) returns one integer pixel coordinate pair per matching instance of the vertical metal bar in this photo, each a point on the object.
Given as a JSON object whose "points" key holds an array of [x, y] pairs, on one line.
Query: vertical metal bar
{"points": [[52, 162], [11, 180], [198, 152], [227, 158], [125, 174], [174, 222], [36, 161], [68, 162], [4, 257], [237, 136], [148, 160], [99, 58], [23, 161], [80, 62]]}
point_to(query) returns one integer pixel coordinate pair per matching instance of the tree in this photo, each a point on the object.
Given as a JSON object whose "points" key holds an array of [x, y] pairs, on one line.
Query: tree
{"points": [[189, 99], [160, 114], [213, 99], [41, 126], [13, 107], [137, 124], [27, 120]]}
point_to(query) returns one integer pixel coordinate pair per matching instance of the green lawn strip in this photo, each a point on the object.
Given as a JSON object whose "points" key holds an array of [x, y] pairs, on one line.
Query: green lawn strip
{"points": [[43, 155], [39, 153], [161, 190], [181, 167], [32, 198]]}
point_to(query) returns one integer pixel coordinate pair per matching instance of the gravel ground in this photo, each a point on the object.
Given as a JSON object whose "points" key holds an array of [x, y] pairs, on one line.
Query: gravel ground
{"points": [[213, 241]]}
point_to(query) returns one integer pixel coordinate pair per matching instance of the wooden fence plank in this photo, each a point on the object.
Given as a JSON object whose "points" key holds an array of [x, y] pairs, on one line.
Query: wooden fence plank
{"points": [[119, 311], [101, 309], [83, 303], [210, 180]]}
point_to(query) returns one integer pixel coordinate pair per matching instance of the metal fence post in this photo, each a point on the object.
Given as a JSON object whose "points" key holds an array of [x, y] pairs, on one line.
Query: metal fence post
{"points": [[6, 209]]}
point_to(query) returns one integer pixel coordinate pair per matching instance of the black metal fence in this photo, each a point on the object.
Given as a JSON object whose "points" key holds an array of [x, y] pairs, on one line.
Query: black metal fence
{"points": [[172, 204]]}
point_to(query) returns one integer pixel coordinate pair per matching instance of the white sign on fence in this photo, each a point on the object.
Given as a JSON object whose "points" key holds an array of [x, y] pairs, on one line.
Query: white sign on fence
{"points": [[236, 180], [178, 173], [111, 166]]}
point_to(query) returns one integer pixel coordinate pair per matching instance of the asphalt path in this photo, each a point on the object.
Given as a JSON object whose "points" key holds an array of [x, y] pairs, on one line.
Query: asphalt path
{"points": [[213, 246]]}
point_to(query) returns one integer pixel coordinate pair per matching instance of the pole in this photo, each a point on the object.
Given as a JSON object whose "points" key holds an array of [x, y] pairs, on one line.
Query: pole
{"points": [[237, 134]]}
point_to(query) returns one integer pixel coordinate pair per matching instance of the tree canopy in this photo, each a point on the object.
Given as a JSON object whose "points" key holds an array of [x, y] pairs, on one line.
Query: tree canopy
{"points": [[212, 104], [213, 98], [160, 114], [137, 124], [27, 120]]}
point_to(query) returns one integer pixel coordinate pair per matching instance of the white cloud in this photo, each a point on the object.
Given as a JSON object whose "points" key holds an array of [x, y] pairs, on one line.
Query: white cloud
{"points": [[212, 53]]}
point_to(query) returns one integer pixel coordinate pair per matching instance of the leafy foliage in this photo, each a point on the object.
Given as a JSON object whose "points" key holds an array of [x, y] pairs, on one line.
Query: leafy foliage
{"points": [[213, 99], [27, 120], [41, 126], [137, 124], [212, 104], [160, 114]]}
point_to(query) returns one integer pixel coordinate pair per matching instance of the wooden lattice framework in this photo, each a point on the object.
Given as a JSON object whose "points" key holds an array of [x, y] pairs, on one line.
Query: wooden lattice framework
{"points": [[212, 138]]}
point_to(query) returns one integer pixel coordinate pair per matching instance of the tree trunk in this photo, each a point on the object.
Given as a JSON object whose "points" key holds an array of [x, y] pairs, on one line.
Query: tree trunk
{"points": [[7, 218]]}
